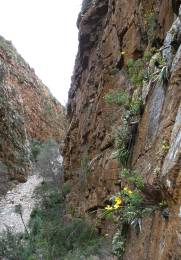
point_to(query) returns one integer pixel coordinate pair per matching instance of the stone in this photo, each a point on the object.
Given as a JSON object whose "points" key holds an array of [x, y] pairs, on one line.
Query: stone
{"points": [[107, 29], [27, 111]]}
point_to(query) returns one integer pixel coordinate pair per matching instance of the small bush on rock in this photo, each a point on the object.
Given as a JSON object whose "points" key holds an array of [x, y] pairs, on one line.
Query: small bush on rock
{"points": [[118, 97]]}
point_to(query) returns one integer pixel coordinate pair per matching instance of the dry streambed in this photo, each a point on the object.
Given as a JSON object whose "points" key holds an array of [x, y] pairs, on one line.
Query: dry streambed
{"points": [[21, 194]]}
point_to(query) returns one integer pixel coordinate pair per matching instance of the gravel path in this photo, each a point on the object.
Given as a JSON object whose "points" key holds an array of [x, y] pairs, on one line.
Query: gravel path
{"points": [[21, 194]]}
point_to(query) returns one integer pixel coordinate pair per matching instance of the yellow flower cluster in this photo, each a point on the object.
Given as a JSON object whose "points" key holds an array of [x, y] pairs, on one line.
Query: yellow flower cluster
{"points": [[127, 190], [108, 207], [118, 202]]}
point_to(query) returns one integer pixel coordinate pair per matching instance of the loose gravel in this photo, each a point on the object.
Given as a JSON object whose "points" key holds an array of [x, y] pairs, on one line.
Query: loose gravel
{"points": [[21, 194]]}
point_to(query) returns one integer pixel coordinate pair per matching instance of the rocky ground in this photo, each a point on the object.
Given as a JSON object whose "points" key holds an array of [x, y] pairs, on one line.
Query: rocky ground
{"points": [[21, 194], [48, 167]]}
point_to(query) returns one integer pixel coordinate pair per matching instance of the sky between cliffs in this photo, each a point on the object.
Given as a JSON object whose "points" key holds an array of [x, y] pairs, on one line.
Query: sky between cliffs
{"points": [[44, 32]]}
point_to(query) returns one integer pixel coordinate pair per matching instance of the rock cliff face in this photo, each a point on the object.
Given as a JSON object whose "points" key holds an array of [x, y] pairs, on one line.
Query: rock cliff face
{"points": [[110, 34], [28, 112]]}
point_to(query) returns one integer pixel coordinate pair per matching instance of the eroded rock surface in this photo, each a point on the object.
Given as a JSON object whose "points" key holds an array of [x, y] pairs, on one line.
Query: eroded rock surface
{"points": [[112, 32], [28, 112]]}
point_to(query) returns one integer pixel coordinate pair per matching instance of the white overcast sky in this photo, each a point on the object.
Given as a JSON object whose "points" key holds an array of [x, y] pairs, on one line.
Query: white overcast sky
{"points": [[44, 32]]}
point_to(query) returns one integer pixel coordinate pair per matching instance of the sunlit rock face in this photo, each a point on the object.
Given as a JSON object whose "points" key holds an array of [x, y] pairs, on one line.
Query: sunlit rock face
{"points": [[106, 29], [28, 112]]}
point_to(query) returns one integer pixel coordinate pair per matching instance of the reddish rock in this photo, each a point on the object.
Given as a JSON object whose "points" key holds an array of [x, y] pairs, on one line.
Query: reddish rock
{"points": [[108, 28], [27, 111]]}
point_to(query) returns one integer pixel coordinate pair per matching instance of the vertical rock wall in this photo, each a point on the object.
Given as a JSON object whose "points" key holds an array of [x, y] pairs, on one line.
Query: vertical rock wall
{"points": [[110, 33], [28, 112]]}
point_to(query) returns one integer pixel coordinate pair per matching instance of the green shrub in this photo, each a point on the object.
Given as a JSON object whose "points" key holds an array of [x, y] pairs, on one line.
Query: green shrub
{"points": [[132, 105], [122, 155], [118, 97], [121, 143], [136, 72], [51, 237], [135, 106], [57, 239], [150, 25], [129, 208], [133, 177], [118, 244], [137, 69], [36, 147]]}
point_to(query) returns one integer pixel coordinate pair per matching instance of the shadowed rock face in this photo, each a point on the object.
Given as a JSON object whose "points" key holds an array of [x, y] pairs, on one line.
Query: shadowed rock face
{"points": [[27, 111], [155, 109], [106, 29]]}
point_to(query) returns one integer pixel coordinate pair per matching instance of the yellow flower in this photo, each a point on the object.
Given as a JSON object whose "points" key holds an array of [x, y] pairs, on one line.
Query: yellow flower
{"points": [[108, 207], [123, 53], [116, 206], [127, 190], [118, 200]]}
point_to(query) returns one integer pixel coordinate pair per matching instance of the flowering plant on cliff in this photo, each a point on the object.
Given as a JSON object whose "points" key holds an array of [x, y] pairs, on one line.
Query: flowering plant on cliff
{"points": [[125, 204], [117, 202]]}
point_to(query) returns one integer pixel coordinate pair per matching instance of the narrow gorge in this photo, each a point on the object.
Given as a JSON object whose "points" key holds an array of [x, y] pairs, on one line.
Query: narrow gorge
{"points": [[101, 178]]}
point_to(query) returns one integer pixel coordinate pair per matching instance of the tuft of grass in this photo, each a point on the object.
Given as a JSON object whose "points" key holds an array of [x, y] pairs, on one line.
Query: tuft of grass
{"points": [[118, 244], [122, 155], [137, 69], [133, 177], [135, 106], [132, 105], [121, 142], [150, 25], [136, 72], [118, 97]]}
